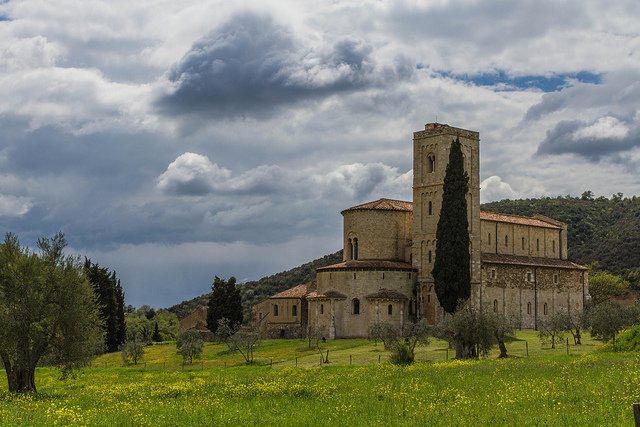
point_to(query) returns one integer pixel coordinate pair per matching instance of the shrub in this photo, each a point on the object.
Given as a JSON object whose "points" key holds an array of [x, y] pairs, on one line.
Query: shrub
{"points": [[401, 354]]}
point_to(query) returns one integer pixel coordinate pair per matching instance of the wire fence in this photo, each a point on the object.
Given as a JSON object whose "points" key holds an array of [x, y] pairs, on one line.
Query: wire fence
{"points": [[341, 357]]}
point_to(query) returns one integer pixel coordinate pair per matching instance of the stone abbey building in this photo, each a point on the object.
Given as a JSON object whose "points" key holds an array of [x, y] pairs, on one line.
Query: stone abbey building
{"points": [[519, 265]]}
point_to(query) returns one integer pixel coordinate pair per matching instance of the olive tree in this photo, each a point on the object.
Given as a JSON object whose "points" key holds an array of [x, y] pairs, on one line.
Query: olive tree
{"points": [[48, 311], [190, 344]]}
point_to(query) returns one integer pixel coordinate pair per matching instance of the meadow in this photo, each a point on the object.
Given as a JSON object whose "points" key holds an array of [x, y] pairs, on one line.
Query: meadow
{"points": [[588, 386]]}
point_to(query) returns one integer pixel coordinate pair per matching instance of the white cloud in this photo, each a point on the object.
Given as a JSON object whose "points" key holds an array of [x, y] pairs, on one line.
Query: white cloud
{"points": [[14, 206], [192, 174], [604, 127], [494, 189]]}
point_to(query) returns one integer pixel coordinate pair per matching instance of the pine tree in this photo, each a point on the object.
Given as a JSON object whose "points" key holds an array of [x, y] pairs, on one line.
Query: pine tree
{"points": [[451, 270], [225, 301]]}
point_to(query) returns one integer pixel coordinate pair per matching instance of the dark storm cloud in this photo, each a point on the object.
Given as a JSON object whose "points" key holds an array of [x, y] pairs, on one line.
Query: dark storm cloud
{"points": [[607, 137], [250, 66]]}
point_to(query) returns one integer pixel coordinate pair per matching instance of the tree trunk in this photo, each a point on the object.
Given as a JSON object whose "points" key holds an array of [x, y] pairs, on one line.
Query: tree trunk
{"points": [[503, 349], [464, 349], [21, 379]]}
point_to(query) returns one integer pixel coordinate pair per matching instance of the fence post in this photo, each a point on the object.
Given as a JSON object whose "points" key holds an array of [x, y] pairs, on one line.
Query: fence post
{"points": [[567, 345], [349, 359], [636, 413], [296, 362], [526, 344], [271, 363], [378, 358], [447, 356]]}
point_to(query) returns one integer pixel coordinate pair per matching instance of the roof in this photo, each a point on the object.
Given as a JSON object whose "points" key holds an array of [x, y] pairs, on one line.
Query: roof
{"points": [[295, 292], [402, 206], [529, 261], [383, 205], [386, 294], [368, 265], [327, 294], [521, 220], [196, 320]]}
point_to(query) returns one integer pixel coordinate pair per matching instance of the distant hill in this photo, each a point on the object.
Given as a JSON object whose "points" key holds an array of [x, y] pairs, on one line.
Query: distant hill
{"points": [[600, 229], [257, 291]]}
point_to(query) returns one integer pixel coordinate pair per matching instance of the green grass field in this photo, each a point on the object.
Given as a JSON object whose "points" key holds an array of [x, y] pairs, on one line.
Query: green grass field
{"points": [[587, 387]]}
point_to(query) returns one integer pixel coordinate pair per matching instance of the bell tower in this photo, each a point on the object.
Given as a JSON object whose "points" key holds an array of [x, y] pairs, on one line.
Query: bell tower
{"points": [[430, 158]]}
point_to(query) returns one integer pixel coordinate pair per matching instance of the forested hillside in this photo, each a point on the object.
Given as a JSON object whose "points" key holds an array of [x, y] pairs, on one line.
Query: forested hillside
{"points": [[257, 291], [600, 229]]}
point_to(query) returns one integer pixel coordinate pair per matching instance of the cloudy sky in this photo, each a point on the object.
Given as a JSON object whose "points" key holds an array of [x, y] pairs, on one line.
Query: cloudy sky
{"points": [[175, 141]]}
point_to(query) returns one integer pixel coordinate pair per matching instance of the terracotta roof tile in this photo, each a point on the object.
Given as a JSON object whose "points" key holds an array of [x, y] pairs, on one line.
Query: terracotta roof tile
{"points": [[383, 205], [530, 261], [368, 264], [327, 294], [521, 220], [295, 292], [386, 294]]}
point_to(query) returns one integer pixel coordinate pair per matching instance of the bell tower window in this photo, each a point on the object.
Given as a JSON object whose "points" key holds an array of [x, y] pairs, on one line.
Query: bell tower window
{"points": [[355, 248], [431, 163]]}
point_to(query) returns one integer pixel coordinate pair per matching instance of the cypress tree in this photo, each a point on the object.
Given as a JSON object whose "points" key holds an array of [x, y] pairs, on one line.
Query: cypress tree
{"points": [[111, 302], [225, 301], [451, 269]]}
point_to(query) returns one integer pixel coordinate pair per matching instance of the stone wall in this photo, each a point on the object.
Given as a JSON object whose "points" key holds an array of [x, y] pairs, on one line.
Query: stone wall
{"points": [[381, 234], [527, 293], [339, 316]]}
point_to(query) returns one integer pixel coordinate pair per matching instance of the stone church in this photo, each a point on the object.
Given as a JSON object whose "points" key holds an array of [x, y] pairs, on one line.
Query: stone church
{"points": [[519, 265]]}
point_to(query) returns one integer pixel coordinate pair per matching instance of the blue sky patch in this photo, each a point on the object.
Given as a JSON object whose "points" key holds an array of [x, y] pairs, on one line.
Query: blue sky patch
{"points": [[545, 83]]}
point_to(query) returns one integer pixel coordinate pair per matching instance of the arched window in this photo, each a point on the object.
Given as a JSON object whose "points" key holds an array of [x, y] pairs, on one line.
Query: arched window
{"points": [[431, 163], [555, 278], [356, 306], [538, 245], [506, 240], [294, 310], [489, 238], [355, 248], [430, 208], [495, 305], [349, 249], [528, 308], [553, 246], [275, 310], [411, 307], [493, 273], [545, 308], [321, 308], [523, 243], [390, 310], [430, 257], [528, 277]]}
